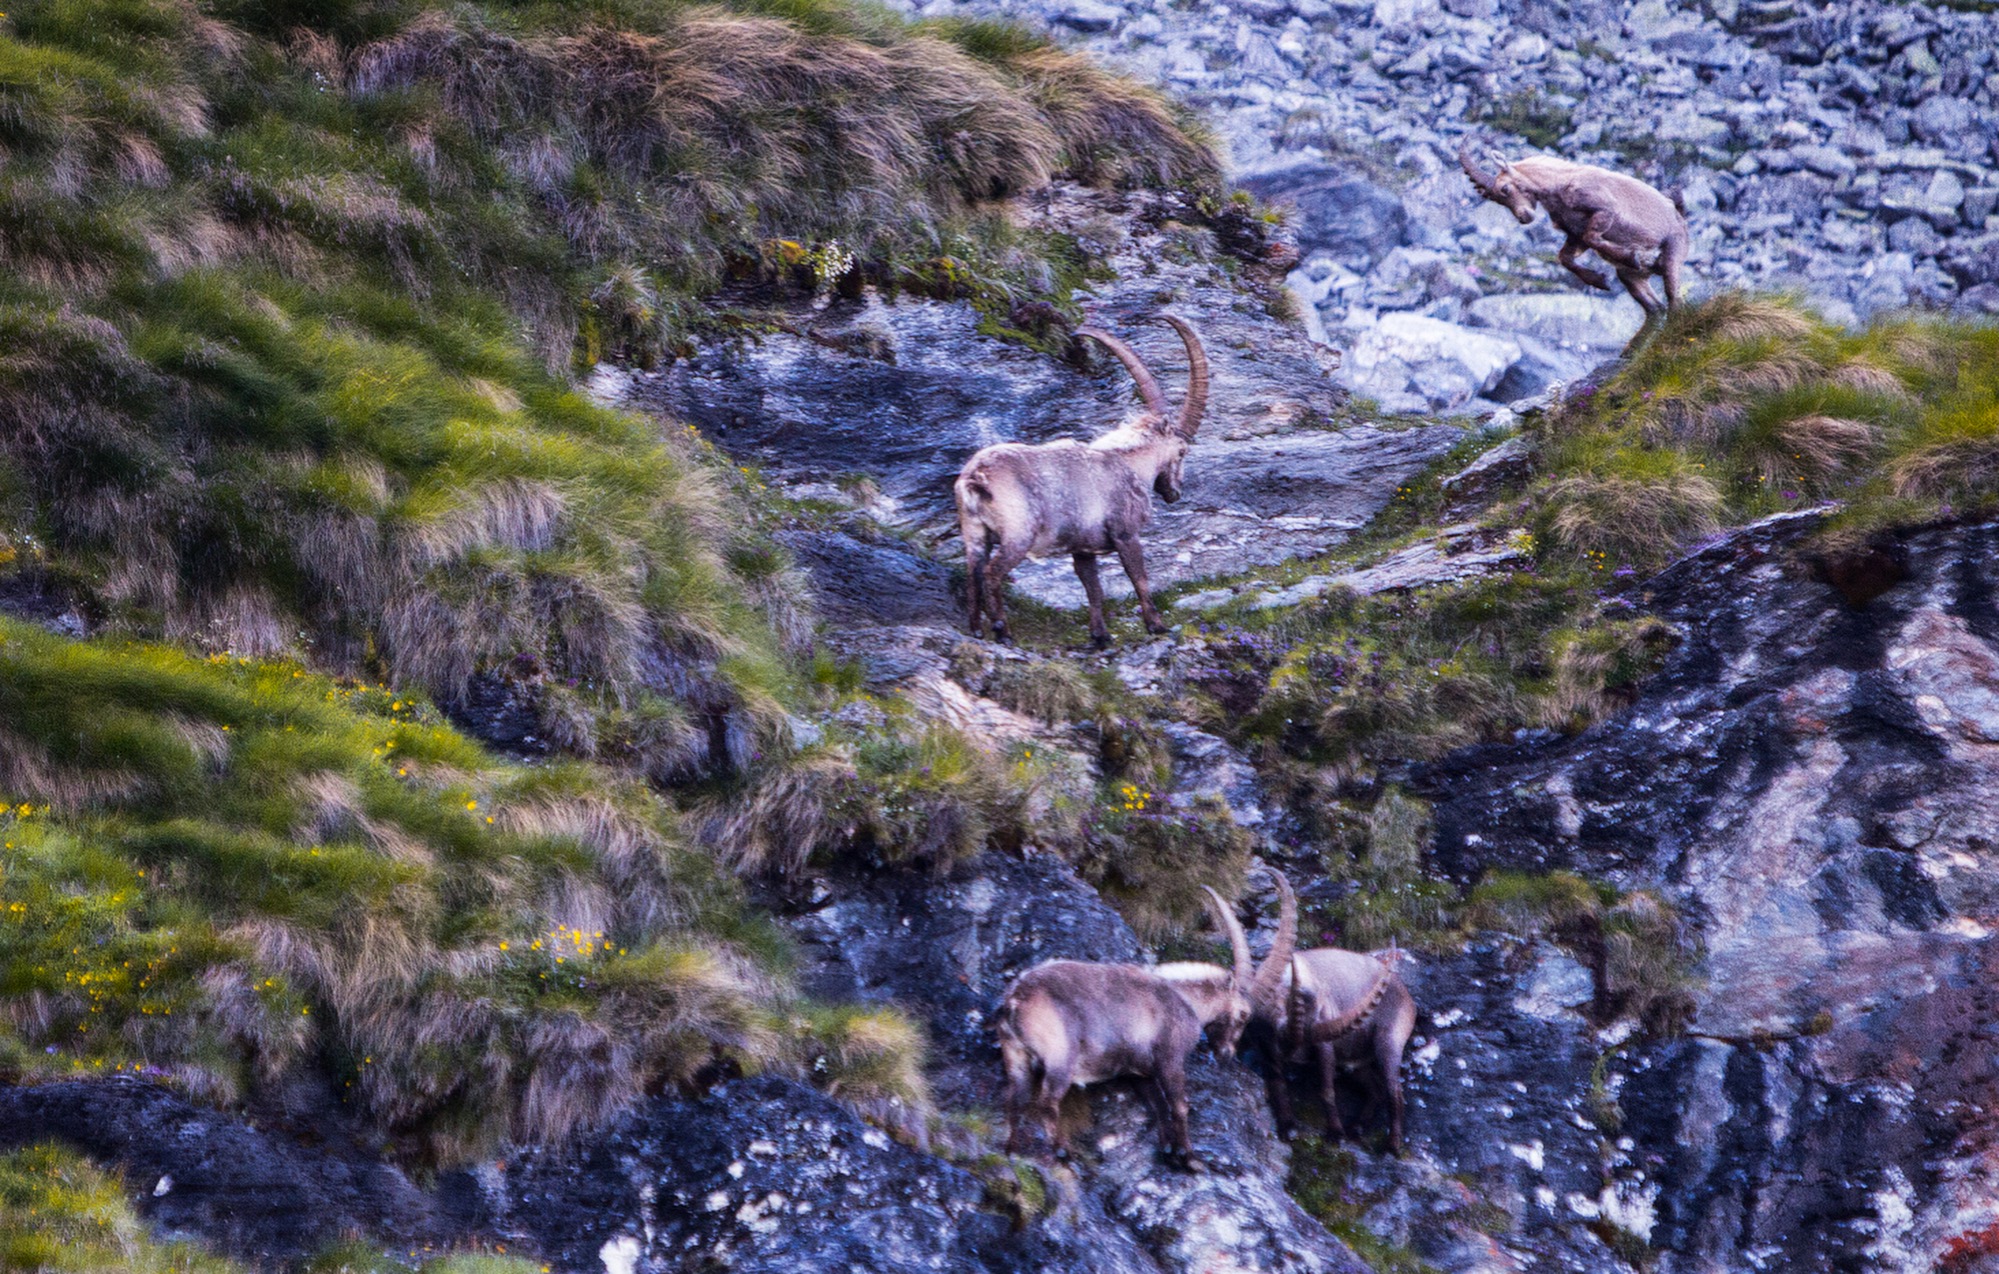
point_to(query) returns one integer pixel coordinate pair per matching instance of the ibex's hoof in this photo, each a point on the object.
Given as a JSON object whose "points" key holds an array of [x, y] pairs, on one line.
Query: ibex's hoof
{"points": [[1157, 629], [1100, 643]]}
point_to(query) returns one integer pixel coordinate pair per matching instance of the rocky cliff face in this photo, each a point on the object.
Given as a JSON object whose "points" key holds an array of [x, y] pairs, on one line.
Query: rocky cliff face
{"points": [[1811, 778], [1843, 149], [1808, 781]]}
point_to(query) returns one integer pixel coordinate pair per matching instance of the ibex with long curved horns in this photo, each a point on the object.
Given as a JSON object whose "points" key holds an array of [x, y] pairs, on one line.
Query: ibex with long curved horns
{"points": [[1019, 500], [1633, 227], [1066, 1023], [1335, 1008]]}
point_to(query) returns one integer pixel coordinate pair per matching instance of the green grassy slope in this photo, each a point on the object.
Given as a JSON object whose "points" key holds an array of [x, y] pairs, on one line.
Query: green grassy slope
{"points": [[290, 298], [217, 870], [1747, 406], [289, 290]]}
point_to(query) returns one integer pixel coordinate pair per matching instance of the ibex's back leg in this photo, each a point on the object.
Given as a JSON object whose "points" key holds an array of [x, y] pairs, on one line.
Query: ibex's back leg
{"points": [[1020, 1072], [1669, 269], [1636, 283], [1388, 1058], [1573, 248], [998, 566], [1093, 588], [1655, 313], [1277, 1084], [1329, 1089], [1133, 557], [1054, 1087], [1172, 1078], [975, 582]]}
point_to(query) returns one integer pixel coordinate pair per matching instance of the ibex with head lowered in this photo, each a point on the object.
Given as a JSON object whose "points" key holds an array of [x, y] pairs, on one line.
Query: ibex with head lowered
{"points": [[1017, 500], [1066, 1023], [1335, 1008], [1633, 227]]}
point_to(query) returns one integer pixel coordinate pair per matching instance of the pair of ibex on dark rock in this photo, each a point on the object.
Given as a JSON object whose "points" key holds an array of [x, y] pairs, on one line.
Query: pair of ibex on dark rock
{"points": [[1068, 1023]]}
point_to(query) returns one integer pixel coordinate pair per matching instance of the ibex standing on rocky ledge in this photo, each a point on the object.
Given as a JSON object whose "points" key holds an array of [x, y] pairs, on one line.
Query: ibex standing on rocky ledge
{"points": [[1017, 500], [1066, 1023], [1633, 227], [1334, 1008]]}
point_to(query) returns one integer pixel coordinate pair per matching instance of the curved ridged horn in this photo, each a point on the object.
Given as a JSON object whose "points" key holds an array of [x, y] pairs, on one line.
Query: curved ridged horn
{"points": [[1197, 377], [1148, 384], [1294, 1013], [1482, 180], [1271, 973], [1237, 942]]}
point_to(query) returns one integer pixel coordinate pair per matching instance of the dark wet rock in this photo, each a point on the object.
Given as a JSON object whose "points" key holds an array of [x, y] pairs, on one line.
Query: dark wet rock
{"points": [[762, 1175], [274, 1192], [874, 582], [1340, 212], [503, 712], [1498, 1085]]}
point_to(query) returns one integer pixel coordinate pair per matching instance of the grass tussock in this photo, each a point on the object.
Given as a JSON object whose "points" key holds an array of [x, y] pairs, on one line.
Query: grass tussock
{"points": [[1745, 406], [1149, 858], [218, 872], [872, 1059], [887, 789]]}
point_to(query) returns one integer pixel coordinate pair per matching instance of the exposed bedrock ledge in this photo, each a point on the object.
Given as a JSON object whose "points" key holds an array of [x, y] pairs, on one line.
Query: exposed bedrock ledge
{"points": [[904, 392]]}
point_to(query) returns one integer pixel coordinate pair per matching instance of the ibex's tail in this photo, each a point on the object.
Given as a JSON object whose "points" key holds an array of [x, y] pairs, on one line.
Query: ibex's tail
{"points": [[1679, 198], [974, 492]]}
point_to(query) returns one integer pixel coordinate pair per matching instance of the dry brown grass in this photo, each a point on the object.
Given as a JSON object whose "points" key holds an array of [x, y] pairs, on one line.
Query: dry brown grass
{"points": [[841, 125], [1614, 514], [1941, 469]]}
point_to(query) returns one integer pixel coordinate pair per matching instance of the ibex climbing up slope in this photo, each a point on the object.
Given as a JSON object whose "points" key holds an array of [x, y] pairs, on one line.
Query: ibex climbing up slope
{"points": [[1335, 1008], [1633, 227], [1066, 1023], [1017, 500]]}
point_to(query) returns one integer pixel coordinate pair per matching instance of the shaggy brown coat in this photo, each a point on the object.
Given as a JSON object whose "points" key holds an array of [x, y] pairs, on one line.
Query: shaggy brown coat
{"points": [[1067, 1023]]}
